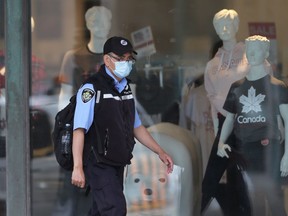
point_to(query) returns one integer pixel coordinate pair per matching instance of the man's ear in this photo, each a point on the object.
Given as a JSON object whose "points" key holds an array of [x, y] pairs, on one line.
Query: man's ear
{"points": [[106, 59]]}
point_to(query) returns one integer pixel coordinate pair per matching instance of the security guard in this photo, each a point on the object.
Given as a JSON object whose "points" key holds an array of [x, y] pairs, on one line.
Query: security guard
{"points": [[103, 137]]}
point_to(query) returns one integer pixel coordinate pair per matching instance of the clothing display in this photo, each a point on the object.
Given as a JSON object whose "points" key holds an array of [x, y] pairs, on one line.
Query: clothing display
{"points": [[221, 71], [38, 75], [228, 65], [256, 104], [198, 110]]}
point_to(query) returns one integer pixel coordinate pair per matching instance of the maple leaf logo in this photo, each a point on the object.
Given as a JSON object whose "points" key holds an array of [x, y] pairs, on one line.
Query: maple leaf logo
{"points": [[252, 102]]}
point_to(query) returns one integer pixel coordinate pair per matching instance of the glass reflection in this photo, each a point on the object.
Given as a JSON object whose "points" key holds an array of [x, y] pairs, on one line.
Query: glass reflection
{"points": [[173, 55]]}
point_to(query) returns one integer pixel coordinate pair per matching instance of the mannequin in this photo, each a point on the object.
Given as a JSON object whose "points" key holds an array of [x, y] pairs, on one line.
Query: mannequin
{"points": [[258, 140], [79, 64], [228, 65], [225, 62]]}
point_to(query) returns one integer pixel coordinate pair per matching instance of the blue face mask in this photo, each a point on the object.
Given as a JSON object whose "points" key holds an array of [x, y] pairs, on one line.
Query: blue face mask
{"points": [[122, 69]]}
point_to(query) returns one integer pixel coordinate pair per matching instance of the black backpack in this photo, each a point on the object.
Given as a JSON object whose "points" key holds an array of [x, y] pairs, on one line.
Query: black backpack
{"points": [[62, 135]]}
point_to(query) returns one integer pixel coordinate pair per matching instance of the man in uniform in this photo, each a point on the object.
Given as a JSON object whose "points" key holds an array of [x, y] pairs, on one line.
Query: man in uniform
{"points": [[103, 141]]}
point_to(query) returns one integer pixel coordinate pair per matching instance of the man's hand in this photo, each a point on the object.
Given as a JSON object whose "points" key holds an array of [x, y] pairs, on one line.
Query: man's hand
{"points": [[78, 177], [222, 150], [284, 165], [167, 160]]}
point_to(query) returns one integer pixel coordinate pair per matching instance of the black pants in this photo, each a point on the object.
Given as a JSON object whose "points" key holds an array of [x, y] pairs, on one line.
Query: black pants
{"points": [[106, 183], [263, 172], [232, 197]]}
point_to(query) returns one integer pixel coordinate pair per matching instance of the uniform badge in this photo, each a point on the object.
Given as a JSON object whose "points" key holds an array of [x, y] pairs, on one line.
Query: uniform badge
{"points": [[87, 95]]}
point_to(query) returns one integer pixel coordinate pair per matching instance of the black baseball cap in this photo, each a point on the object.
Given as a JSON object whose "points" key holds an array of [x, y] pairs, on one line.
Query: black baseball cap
{"points": [[118, 45]]}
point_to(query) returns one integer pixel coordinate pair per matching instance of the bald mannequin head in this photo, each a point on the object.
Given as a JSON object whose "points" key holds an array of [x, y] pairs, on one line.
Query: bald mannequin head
{"points": [[98, 21]]}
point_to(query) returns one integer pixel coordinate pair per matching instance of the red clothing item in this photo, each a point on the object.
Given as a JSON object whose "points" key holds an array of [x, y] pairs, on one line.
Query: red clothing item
{"points": [[2, 81], [38, 78]]}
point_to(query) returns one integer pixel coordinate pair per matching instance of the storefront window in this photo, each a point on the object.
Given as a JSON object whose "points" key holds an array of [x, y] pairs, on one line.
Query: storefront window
{"points": [[2, 114], [174, 41]]}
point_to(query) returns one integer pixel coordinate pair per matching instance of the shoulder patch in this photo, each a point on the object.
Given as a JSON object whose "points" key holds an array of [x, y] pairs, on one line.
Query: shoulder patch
{"points": [[87, 95]]}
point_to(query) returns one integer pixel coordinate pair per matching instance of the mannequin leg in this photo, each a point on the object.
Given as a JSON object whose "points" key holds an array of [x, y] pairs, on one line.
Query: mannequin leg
{"points": [[234, 195]]}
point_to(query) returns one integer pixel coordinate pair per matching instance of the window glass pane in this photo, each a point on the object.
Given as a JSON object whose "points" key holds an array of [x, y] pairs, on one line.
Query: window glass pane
{"points": [[3, 129], [174, 41]]}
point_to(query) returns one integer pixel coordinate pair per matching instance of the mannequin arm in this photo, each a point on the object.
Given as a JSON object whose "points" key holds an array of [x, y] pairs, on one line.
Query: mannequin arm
{"points": [[281, 128], [65, 74], [225, 132], [284, 161], [65, 95]]}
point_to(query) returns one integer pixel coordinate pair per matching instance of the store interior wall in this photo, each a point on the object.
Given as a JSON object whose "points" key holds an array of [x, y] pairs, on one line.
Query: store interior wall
{"points": [[265, 11], [181, 28]]}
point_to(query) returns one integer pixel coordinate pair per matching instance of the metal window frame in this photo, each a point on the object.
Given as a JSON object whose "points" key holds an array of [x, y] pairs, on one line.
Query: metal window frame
{"points": [[18, 64]]}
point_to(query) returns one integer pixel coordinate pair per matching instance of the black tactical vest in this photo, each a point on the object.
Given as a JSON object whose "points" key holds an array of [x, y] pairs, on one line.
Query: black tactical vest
{"points": [[111, 136]]}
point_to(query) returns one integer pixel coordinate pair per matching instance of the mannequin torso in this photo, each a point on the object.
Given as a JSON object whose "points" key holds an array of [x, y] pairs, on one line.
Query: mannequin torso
{"points": [[272, 90]]}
